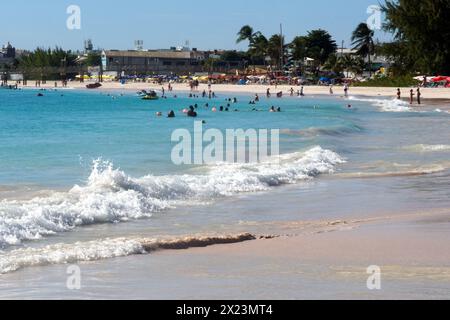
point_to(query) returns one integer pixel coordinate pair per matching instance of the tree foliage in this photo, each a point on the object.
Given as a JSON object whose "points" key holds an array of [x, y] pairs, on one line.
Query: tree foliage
{"points": [[422, 34]]}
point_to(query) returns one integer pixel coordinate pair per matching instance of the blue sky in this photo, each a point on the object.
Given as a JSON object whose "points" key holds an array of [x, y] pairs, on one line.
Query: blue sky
{"points": [[206, 24]]}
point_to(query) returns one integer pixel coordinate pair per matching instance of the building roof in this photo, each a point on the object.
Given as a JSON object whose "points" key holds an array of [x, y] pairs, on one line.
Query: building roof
{"points": [[150, 54]]}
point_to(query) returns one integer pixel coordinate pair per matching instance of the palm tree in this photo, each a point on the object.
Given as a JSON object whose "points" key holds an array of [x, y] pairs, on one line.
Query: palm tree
{"points": [[259, 48], [275, 50], [257, 42], [346, 62], [362, 40], [246, 34], [333, 64]]}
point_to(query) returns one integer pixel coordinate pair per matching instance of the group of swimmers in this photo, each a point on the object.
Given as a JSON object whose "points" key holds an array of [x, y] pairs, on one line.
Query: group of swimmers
{"points": [[411, 95], [192, 110]]}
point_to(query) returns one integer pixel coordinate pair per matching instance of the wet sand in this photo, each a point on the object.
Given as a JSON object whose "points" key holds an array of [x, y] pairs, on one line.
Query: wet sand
{"points": [[309, 260]]}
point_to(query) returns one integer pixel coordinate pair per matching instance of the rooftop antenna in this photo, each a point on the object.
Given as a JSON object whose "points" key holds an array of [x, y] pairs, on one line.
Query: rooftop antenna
{"points": [[139, 45]]}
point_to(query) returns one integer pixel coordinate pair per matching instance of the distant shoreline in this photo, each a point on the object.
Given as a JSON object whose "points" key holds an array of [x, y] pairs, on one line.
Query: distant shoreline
{"points": [[431, 97], [428, 94]]}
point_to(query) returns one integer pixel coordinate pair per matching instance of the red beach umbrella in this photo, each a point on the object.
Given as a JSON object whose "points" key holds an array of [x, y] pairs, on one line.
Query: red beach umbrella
{"points": [[440, 79]]}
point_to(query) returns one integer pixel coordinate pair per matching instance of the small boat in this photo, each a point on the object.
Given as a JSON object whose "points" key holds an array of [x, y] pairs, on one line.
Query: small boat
{"points": [[94, 85], [150, 96]]}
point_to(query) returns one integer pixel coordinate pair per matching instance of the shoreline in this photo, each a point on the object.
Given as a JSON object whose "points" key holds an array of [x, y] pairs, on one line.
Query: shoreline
{"points": [[441, 95], [327, 259]]}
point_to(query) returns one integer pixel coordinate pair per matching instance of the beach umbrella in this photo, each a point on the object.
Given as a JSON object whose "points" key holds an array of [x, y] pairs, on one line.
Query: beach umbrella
{"points": [[440, 79]]}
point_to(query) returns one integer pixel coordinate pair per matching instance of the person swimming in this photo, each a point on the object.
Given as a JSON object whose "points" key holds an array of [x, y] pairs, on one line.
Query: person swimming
{"points": [[191, 113], [171, 114]]}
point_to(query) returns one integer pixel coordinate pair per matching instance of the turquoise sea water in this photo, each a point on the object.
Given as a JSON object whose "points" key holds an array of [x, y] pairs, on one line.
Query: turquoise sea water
{"points": [[79, 166], [52, 140]]}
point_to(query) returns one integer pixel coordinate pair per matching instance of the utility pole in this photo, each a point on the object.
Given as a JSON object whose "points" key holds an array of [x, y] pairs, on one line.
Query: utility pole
{"points": [[281, 48]]}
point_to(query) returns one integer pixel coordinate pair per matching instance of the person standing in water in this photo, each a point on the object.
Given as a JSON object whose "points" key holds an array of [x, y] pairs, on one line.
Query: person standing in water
{"points": [[268, 93], [346, 90], [411, 97], [419, 96], [399, 94]]}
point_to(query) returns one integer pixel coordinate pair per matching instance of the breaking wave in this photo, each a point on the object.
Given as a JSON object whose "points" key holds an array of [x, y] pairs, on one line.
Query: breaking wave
{"points": [[387, 105], [111, 196], [106, 249]]}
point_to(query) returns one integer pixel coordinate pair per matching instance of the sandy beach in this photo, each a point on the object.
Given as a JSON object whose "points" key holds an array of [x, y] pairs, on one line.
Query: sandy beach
{"points": [[318, 260], [428, 94]]}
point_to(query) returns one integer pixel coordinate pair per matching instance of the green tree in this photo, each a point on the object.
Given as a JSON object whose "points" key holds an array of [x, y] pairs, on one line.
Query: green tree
{"points": [[333, 64], [362, 40], [44, 63], [93, 59], [275, 50], [257, 43], [320, 45], [352, 64], [422, 31], [298, 48], [246, 34], [259, 49]]}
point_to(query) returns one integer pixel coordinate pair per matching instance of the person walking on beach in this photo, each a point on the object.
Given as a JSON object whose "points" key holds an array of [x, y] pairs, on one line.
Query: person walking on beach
{"points": [[346, 90], [399, 94], [419, 96], [331, 89], [302, 91], [292, 92], [411, 97]]}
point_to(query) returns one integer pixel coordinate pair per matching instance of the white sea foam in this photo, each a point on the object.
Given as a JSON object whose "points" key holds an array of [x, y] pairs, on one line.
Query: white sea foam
{"points": [[387, 105], [428, 148], [68, 253], [442, 111], [111, 196], [106, 249]]}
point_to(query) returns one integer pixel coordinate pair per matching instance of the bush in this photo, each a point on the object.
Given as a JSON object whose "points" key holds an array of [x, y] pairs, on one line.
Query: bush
{"points": [[398, 82]]}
